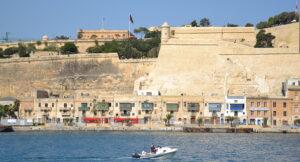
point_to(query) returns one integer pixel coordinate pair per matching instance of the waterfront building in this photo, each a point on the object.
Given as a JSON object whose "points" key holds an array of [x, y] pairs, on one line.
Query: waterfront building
{"points": [[236, 106]]}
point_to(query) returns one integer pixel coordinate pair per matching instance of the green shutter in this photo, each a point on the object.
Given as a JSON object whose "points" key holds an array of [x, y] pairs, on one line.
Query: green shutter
{"points": [[84, 107], [172, 107], [147, 106], [126, 106], [102, 106]]}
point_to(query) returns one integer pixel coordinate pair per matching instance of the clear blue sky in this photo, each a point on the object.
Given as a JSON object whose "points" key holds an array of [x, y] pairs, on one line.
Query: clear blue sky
{"points": [[30, 19]]}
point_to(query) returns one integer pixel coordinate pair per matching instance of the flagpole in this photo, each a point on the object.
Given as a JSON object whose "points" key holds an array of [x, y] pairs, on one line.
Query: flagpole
{"points": [[129, 24]]}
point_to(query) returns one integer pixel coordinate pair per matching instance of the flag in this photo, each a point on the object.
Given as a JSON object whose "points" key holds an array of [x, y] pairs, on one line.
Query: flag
{"points": [[130, 19]]}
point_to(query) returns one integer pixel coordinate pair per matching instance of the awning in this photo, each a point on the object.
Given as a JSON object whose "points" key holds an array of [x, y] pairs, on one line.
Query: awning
{"points": [[193, 106], [214, 107], [102, 106], [126, 106], [237, 107], [172, 106], [147, 106]]}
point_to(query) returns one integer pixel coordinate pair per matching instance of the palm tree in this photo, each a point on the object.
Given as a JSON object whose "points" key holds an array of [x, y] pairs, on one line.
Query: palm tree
{"points": [[168, 118], [200, 121], [231, 119]]}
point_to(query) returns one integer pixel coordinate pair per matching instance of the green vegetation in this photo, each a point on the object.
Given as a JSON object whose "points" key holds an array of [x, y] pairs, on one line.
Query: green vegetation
{"points": [[38, 43], [52, 48], [230, 119], [232, 25], [202, 23], [133, 48], [61, 37], [200, 121], [297, 122], [168, 119], [23, 51], [265, 122], [69, 48], [280, 19], [249, 25], [10, 51], [9, 110], [264, 40], [1, 53]]}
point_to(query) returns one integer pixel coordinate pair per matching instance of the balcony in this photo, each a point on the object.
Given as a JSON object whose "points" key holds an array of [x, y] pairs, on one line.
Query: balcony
{"points": [[65, 114], [172, 107], [64, 108], [45, 108], [102, 106]]}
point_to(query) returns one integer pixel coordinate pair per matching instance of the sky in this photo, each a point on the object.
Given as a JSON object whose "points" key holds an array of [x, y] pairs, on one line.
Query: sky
{"points": [[31, 19]]}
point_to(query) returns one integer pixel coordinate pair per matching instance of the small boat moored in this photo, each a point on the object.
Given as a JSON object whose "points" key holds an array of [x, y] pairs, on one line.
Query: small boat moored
{"points": [[160, 152]]}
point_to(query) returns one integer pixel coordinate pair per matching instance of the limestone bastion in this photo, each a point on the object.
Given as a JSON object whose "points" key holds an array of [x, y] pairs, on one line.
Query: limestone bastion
{"points": [[208, 61]]}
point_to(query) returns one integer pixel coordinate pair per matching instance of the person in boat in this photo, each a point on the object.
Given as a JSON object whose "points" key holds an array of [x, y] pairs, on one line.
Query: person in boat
{"points": [[153, 149]]}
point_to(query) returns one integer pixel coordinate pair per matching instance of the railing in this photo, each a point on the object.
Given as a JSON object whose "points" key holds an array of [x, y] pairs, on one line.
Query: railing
{"points": [[65, 108], [45, 108]]}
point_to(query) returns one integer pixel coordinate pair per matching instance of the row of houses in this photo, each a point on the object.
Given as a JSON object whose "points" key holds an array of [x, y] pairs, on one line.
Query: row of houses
{"points": [[249, 110]]}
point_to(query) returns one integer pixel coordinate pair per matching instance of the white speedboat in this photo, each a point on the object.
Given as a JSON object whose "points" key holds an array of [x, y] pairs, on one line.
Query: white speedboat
{"points": [[160, 151]]}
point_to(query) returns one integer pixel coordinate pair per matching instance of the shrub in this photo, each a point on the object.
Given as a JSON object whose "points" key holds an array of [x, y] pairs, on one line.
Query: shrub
{"points": [[264, 40], [38, 43], [69, 48], [10, 51]]}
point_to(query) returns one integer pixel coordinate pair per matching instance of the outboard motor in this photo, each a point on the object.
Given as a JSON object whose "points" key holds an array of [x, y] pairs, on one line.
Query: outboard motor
{"points": [[136, 155]]}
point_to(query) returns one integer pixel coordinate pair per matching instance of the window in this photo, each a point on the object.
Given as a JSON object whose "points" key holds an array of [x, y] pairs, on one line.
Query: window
{"points": [[284, 104], [258, 112], [52, 104], [116, 104], [251, 112], [284, 113], [71, 105], [274, 113], [274, 122], [265, 113], [40, 104], [274, 104], [265, 104], [258, 104], [65, 105], [252, 104], [46, 104]]}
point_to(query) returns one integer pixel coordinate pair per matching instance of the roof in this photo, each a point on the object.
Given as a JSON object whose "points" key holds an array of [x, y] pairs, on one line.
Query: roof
{"points": [[8, 98]]}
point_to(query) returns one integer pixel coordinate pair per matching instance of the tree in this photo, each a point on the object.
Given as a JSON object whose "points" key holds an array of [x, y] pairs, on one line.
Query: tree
{"points": [[204, 22], [69, 48], [200, 121], [142, 31], [1, 53], [265, 122], [9, 110], [61, 37], [52, 48], [231, 119], [232, 25], [10, 51], [38, 43], [249, 25], [22, 50], [297, 122], [167, 119], [264, 40], [194, 23], [262, 25]]}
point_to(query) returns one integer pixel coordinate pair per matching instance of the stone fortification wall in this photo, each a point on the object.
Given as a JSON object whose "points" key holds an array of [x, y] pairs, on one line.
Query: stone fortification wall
{"points": [[99, 73], [237, 34], [213, 68], [82, 45]]}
